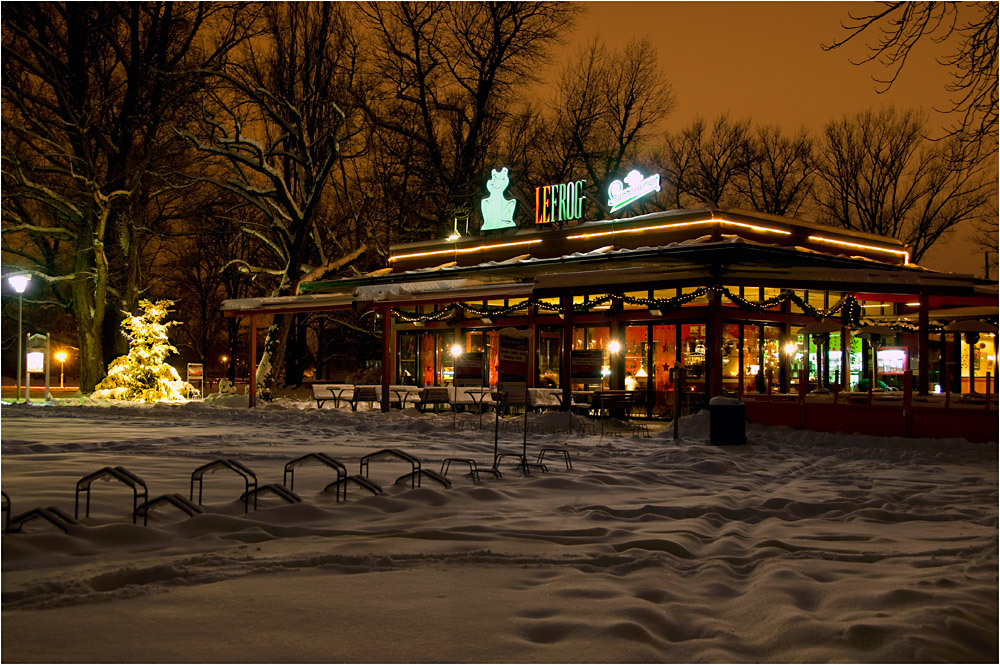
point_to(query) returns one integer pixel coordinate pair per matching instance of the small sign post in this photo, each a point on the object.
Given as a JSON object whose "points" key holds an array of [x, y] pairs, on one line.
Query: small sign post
{"points": [[196, 372]]}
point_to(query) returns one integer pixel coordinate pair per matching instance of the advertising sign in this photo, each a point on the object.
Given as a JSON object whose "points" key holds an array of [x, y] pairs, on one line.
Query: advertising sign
{"points": [[36, 362], [498, 212], [555, 204], [635, 186], [469, 369], [586, 365], [512, 360]]}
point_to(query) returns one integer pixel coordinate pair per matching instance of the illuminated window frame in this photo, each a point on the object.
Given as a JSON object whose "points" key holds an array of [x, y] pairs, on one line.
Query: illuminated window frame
{"points": [[462, 250]]}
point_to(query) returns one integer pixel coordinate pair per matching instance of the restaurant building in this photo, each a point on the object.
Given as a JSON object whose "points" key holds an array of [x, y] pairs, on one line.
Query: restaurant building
{"points": [[746, 304]]}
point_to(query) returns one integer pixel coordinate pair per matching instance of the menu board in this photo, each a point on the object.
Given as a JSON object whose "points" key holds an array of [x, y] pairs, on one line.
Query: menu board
{"points": [[586, 365]]}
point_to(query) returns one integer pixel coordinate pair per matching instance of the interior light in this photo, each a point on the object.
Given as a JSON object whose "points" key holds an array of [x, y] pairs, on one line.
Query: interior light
{"points": [[641, 373], [614, 346]]}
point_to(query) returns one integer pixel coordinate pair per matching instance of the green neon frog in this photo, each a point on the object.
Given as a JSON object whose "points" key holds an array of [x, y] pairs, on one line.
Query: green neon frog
{"points": [[498, 212]]}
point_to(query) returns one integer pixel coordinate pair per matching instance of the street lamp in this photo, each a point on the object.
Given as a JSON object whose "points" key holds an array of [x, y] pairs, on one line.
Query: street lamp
{"points": [[61, 357], [20, 283]]}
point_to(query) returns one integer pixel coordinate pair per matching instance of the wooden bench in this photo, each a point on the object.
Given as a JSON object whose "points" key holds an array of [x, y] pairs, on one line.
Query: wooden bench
{"points": [[363, 394]]}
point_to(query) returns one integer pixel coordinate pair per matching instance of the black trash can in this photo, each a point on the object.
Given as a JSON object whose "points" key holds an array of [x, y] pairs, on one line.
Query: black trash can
{"points": [[727, 424]]}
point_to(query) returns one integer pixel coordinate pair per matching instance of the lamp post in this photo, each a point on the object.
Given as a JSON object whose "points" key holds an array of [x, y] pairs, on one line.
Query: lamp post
{"points": [[61, 357], [20, 283]]}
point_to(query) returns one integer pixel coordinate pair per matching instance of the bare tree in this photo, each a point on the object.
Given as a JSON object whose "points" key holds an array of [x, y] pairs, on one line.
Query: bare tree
{"points": [[609, 105], [778, 171], [277, 117], [88, 93], [879, 175], [445, 77], [899, 27], [704, 165]]}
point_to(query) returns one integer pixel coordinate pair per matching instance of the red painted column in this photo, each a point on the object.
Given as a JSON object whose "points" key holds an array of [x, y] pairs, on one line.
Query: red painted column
{"points": [[566, 302], [713, 347], [253, 360], [923, 345], [388, 354]]}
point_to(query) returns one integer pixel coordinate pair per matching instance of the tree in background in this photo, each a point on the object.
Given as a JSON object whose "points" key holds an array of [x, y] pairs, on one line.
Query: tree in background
{"points": [[777, 174], [89, 90], [610, 104], [970, 28], [445, 75], [704, 164], [879, 175], [277, 117]]}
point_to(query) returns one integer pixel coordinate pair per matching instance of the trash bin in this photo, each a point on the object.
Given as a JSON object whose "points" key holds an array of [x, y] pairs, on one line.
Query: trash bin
{"points": [[727, 422]]}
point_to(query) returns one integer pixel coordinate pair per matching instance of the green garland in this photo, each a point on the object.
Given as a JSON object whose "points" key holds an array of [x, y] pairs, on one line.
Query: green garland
{"points": [[848, 307]]}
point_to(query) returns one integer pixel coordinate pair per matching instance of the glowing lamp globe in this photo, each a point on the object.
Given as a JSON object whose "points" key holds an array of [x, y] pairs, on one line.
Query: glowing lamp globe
{"points": [[19, 282]]}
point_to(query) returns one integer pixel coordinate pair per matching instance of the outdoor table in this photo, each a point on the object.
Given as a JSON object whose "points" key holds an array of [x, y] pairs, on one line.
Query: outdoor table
{"points": [[338, 393], [478, 396], [403, 393]]}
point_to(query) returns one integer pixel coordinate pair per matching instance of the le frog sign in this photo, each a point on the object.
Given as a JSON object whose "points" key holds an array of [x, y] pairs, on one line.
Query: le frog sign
{"points": [[555, 204]]}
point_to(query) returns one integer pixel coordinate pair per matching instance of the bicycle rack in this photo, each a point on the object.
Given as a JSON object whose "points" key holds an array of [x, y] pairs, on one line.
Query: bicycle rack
{"points": [[414, 475], [421, 473], [120, 474], [176, 500], [279, 491], [556, 451], [5, 507], [52, 515], [288, 479], [249, 477], [360, 481], [474, 469]]}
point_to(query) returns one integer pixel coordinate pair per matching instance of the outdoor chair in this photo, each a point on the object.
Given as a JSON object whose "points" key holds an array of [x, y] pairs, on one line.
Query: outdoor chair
{"points": [[363, 394], [616, 404], [434, 397]]}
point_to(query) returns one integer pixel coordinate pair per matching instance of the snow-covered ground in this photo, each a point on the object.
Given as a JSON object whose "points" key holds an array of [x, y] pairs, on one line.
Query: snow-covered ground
{"points": [[797, 547]]}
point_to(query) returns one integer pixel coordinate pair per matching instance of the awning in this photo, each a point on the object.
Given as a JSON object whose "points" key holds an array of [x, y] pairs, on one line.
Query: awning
{"points": [[456, 290]]}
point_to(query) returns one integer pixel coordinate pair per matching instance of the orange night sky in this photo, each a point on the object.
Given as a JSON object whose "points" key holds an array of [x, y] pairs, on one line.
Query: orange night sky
{"points": [[763, 60]]}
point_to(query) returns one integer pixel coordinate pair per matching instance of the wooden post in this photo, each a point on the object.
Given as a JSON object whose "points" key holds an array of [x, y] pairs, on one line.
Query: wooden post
{"points": [[253, 361], [565, 376], [388, 355], [678, 386], [713, 347]]}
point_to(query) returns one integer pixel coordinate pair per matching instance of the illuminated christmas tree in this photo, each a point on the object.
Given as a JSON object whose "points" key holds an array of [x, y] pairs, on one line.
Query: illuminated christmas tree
{"points": [[144, 375]]}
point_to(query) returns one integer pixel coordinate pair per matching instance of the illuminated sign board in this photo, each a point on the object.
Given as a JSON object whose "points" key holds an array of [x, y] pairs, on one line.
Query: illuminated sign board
{"points": [[620, 194], [555, 204], [498, 212], [36, 361]]}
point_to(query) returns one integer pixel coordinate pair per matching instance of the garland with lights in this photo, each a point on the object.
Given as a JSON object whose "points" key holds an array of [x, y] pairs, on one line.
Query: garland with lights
{"points": [[848, 307]]}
